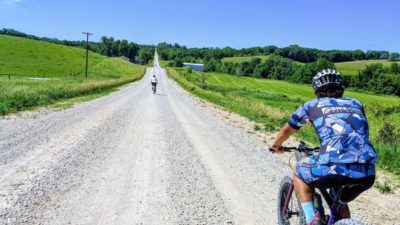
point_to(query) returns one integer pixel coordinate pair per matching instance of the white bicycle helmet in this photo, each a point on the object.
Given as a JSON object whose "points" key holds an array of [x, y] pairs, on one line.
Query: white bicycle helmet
{"points": [[328, 79]]}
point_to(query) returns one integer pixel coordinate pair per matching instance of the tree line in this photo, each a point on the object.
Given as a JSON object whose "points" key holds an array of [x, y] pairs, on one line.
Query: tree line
{"points": [[175, 51]]}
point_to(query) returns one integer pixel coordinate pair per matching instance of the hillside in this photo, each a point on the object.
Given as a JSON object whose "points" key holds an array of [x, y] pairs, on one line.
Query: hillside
{"points": [[353, 67], [64, 66], [239, 59], [31, 58]]}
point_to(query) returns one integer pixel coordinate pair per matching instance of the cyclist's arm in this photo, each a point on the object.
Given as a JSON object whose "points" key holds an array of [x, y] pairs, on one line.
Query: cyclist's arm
{"points": [[284, 133], [366, 122], [296, 121]]}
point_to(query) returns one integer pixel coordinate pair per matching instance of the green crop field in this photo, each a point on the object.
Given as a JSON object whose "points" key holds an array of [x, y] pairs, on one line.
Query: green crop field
{"points": [[271, 102], [240, 59], [63, 70], [353, 67]]}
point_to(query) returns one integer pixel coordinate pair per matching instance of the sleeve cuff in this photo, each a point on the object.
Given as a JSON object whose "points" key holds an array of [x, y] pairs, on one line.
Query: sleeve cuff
{"points": [[293, 125]]}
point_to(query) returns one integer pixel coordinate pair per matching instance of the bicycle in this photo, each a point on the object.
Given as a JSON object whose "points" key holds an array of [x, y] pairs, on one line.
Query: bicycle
{"points": [[289, 207], [154, 88]]}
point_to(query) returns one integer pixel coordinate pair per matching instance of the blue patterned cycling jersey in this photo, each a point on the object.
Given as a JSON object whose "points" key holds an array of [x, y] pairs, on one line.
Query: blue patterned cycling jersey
{"points": [[342, 129]]}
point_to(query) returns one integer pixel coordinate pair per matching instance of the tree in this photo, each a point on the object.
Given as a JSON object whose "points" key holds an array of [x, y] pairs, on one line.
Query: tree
{"points": [[123, 48], [394, 56], [115, 48], [178, 62], [322, 64], [106, 45], [133, 51], [394, 68], [211, 65], [359, 55]]}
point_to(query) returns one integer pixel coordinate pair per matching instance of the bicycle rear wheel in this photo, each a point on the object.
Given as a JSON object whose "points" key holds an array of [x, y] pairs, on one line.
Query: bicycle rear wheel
{"points": [[348, 222], [294, 215]]}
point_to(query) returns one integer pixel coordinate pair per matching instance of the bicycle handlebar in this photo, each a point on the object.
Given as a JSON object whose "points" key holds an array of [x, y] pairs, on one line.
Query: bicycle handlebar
{"points": [[301, 148]]}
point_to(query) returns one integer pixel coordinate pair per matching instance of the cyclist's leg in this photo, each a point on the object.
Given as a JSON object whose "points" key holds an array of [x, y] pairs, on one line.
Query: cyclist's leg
{"points": [[304, 191], [304, 175], [344, 211]]}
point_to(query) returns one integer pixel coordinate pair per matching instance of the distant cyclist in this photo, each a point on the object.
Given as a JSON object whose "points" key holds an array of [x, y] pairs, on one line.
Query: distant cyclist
{"points": [[154, 83], [346, 154]]}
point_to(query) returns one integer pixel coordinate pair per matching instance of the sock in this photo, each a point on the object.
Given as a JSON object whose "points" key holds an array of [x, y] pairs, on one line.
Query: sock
{"points": [[309, 211]]}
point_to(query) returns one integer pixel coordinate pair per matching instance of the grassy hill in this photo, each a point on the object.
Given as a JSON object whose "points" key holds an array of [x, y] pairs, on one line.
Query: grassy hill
{"points": [[353, 67], [64, 68], [31, 58], [271, 102], [240, 59]]}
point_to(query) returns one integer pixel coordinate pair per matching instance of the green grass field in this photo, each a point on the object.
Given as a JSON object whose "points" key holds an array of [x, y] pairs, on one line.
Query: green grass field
{"points": [[64, 68], [353, 67], [37, 58], [271, 102], [240, 59]]}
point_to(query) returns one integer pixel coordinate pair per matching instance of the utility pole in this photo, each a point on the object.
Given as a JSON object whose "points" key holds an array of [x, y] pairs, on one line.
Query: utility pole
{"points": [[87, 51]]}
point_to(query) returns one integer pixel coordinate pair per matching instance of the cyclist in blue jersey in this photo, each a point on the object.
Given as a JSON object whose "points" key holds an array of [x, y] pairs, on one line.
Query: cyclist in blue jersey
{"points": [[346, 155]]}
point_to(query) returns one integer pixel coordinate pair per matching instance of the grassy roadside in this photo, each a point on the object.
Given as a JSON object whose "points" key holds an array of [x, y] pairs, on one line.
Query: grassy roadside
{"points": [[62, 66], [271, 102], [22, 94]]}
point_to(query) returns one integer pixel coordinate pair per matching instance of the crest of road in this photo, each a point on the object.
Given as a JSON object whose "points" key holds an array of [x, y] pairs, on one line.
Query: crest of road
{"points": [[132, 157]]}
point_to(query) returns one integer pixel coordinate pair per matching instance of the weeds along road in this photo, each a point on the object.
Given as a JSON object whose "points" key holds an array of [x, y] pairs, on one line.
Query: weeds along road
{"points": [[135, 158]]}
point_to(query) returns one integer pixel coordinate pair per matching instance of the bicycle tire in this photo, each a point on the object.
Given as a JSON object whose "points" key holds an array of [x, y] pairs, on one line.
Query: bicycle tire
{"points": [[348, 222], [294, 206]]}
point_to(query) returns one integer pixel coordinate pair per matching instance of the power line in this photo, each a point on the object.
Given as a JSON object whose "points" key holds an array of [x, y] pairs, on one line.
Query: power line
{"points": [[87, 51]]}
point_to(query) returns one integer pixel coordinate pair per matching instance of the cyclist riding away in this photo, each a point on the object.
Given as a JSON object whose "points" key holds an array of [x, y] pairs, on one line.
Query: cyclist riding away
{"points": [[346, 155], [154, 83]]}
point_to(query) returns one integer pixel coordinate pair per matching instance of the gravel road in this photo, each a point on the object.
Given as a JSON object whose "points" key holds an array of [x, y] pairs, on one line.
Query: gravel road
{"points": [[132, 157]]}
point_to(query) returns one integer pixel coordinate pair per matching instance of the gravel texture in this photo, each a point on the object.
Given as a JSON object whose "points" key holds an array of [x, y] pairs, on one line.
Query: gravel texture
{"points": [[135, 158]]}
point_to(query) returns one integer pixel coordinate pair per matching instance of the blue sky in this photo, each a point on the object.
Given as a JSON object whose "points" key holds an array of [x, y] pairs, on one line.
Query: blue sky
{"points": [[333, 24]]}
